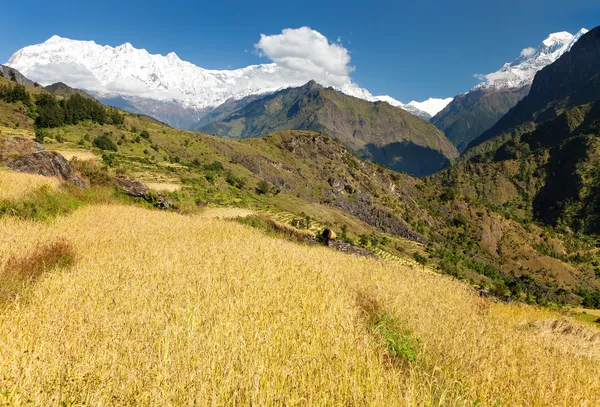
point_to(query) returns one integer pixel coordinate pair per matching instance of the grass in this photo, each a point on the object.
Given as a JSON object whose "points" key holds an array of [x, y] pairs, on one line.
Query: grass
{"points": [[275, 228], [19, 272], [15, 185], [166, 309], [46, 203]]}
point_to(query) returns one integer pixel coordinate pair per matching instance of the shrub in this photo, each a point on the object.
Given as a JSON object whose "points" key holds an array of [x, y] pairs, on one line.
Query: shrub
{"points": [[235, 181], [105, 143], [263, 187], [145, 134], [214, 166], [108, 159], [419, 258], [94, 172], [40, 135]]}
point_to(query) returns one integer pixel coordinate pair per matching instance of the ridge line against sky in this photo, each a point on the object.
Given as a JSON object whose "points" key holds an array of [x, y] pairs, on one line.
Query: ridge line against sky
{"points": [[407, 51]]}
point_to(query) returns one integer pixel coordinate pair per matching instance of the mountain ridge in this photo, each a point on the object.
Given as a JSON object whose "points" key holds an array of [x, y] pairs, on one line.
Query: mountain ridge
{"points": [[375, 130], [140, 77]]}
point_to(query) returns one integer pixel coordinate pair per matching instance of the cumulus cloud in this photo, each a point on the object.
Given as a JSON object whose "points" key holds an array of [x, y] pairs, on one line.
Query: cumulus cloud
{"points": [[527, 52], [304, 54], [479, 76]]}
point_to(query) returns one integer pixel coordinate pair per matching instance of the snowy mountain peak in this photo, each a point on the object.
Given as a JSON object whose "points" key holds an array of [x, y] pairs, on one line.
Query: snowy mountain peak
{"points": [[522, 70], [559, 38], [54, 39], [431, 106], [125, 71]]}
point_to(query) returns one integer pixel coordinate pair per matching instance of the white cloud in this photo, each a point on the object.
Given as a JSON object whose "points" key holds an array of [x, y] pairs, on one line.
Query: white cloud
{"points": [[74, 74], [479, 76], [527, 52], [306, 54]]}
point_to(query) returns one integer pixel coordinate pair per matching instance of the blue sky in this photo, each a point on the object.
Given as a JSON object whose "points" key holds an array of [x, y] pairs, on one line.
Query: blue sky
{"points": [[408, 50]]}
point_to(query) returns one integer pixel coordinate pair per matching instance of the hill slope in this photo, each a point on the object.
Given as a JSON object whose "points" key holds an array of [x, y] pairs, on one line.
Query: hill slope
{"points": [[469, 115], [313, 181], [377, 131], [544, 153], [190, 310]]}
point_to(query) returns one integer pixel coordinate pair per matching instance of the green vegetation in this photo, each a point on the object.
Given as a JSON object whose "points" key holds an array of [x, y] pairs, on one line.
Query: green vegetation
{"points": [[378, 131], [471, 114], [13, 93], [105, 143]]}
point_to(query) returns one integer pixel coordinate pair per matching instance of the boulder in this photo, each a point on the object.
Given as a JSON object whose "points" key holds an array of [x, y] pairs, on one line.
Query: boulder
{"points": [[132, 187], [137, 189], [23, 155]]}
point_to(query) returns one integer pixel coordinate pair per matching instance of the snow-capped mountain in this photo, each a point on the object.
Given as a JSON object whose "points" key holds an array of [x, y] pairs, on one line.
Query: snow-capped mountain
{"points": [[431, 106], [150, 83], [425, 110], [472, 113], [522, 70]]}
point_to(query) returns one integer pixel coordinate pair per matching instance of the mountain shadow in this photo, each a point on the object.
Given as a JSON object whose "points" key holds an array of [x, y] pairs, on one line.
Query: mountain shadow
{"points": [[407, 157]]}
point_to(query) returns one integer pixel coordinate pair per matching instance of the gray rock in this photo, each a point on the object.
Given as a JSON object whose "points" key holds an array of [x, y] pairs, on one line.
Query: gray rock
{"points": [[132, 187], [23, 155]]}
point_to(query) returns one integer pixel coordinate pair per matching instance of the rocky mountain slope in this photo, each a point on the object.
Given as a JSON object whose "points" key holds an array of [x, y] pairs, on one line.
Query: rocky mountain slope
{"points": [[377, 131], [572, 80], [469, 115], [9, 73]]}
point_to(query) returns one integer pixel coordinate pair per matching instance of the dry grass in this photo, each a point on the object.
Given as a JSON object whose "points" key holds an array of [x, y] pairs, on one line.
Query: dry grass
{"points": [[163, 186], [19, 272], [164, 309], [81, 155], [224, 213], [15, 185]]}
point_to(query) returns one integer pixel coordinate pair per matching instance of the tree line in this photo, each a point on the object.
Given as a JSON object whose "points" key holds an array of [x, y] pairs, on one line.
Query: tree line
{"points": [[50, 112]]}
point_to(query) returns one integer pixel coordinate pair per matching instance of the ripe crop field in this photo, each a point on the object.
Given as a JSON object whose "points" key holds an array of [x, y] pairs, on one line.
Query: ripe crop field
{"points": [[14, 185], [117, 305]]}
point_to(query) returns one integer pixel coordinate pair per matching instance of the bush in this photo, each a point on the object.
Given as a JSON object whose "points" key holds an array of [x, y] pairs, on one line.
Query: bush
{"points": [[145, 134], [234, 181], [108, 159], [263, 187], [40, 135], [214, 166], [419, 258], [95, 173], [105, 143]]}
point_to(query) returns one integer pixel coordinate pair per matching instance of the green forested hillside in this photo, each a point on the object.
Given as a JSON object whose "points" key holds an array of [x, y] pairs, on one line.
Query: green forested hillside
{"points": [[377, 131], [472, 113]]}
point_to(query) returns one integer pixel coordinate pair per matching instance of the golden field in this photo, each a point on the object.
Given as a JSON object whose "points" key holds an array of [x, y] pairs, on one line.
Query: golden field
{"points": [[15, 185], [161, 309]]}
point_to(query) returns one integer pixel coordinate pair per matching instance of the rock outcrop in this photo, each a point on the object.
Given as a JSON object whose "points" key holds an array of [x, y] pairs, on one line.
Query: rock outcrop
{"points": [[23, 155]]}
